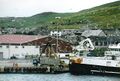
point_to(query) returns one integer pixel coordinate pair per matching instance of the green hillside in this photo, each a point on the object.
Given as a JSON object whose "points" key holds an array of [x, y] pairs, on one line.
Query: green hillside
{"points": [[33, 21], [104, 16]]}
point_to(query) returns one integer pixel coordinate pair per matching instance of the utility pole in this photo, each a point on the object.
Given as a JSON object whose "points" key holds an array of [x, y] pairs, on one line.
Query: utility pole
{"points": [[57, 35]]}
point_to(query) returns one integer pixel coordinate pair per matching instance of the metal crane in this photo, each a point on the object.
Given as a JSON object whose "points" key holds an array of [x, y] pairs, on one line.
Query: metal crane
{"points": [[84, 46]]}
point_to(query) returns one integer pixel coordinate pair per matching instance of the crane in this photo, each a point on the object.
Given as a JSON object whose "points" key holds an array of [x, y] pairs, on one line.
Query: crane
{"points": [[84, 46]]}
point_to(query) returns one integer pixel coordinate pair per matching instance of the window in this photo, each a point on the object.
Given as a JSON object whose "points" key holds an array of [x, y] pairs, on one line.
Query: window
{"points": [[0, 46], [105, 43], [101, 43], [23, 47], [16, 54], [36, 46], [23, 55], [7, 46], [16, 46], [96, 43]]}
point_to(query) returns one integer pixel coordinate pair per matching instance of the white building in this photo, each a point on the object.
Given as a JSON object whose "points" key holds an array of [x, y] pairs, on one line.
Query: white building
{"points": [[55, 33], [19, 51], [18, 46]]}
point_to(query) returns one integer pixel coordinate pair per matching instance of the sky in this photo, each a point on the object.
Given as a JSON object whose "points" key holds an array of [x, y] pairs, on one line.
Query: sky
{"points": [[24, 8]]}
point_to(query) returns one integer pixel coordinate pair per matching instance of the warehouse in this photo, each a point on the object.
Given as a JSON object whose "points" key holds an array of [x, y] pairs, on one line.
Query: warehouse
{"points": [[22, 45]]}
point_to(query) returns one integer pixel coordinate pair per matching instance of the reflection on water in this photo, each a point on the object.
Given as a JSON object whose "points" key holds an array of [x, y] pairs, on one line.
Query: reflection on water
{"points": [[55, 77]]}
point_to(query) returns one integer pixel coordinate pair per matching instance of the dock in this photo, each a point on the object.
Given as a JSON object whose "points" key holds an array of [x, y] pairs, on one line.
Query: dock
{"points": [[26, 66]]}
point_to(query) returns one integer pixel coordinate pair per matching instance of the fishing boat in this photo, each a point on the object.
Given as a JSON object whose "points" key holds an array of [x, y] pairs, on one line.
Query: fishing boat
{"points": [[109, 64]]}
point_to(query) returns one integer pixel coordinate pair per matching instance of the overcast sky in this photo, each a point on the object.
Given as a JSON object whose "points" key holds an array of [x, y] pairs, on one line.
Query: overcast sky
{"points": [[31, 7]]}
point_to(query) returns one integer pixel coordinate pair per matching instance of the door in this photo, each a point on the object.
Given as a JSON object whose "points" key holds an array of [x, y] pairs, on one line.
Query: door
{"points": [[1, 55]]}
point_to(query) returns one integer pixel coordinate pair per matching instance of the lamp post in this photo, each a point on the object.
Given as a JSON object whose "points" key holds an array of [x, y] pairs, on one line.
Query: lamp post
{"points": [[57, 35]]}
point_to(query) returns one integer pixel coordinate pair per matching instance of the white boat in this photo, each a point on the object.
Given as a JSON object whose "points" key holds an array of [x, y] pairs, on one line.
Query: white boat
{"points": [[110, 63]]}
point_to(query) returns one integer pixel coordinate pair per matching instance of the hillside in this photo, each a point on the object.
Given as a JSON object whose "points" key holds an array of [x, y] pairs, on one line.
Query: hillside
{"points": [[104, 16], [33, 21]]}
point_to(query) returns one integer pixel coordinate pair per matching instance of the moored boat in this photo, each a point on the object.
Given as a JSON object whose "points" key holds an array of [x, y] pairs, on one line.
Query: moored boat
{"points": [[109, 64]]}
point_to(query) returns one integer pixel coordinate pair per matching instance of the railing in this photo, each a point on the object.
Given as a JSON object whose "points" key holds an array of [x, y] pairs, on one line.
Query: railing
{"points": [[116, 53]]}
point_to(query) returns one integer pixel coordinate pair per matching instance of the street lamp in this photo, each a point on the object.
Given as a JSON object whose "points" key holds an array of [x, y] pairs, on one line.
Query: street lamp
{"points": [[57, 35]]}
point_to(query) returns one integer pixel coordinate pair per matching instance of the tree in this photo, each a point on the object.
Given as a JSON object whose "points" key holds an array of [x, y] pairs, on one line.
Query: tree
{"points": [[98, 52]]}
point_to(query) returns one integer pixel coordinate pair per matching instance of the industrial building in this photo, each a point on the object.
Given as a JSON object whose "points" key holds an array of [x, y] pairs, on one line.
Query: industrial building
{"points": [[23, 45]]}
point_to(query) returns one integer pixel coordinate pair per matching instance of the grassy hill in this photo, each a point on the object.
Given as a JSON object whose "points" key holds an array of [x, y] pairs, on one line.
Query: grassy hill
{"points": [[104, 16], [33, 21]]}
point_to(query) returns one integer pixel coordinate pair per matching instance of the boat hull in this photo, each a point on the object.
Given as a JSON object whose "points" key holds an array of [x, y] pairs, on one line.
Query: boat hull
{"points": [[76, 68]]}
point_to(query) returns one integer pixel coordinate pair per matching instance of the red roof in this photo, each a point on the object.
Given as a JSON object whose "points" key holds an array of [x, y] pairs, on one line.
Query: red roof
{"points": [[18, 39]]}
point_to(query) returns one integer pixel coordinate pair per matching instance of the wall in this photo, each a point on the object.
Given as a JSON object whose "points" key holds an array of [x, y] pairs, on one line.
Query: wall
{"points": [[18, 50]]}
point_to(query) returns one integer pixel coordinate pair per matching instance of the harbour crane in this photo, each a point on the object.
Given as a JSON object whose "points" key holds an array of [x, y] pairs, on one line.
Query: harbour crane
{"points": [[84, 47]]}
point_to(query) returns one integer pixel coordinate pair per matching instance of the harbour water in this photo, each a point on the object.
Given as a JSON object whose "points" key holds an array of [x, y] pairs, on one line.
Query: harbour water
{"points": [[56, 77]]}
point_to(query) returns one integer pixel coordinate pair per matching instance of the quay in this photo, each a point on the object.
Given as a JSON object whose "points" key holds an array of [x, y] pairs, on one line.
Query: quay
{"points": [[26, 66]]}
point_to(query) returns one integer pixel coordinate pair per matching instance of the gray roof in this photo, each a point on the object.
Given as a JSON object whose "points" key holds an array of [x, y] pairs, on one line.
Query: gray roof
{"points": [[88, 33]]}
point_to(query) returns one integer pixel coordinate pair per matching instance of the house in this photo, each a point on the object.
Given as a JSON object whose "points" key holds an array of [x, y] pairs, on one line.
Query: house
{"points": [[88, 33], [55, 33], [112, 32], [70, 31], [101, 39], [104, 42], [22, 45]]}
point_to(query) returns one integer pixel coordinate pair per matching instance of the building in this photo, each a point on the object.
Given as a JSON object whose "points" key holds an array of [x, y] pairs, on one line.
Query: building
{"points": [[55, 33], [70, 31], [18, 51], [22, 45], [14, 45], [104, 42], [101, 39], [112, 32], [0, 30], [88, 33]]}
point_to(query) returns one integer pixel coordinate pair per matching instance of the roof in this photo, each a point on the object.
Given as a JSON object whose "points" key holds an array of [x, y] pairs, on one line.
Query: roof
{"points": [[112, 32], [88, 33], [107, 38], [18, 39]]}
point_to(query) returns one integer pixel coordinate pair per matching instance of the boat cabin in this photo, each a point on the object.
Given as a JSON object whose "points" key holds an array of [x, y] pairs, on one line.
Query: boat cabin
{"points": [[113, 51]]}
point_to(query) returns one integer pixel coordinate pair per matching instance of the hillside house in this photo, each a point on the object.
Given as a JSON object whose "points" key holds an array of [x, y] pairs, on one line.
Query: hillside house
{"points": [[112, 32], [70, 31], [88, 33], [104, 42]]}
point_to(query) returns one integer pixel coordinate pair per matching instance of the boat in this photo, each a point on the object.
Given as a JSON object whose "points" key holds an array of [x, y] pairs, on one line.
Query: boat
{"points": [[109, 64]]}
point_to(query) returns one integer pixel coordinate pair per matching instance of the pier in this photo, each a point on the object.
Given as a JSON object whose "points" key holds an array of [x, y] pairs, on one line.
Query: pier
{"points": [[26, 66]]}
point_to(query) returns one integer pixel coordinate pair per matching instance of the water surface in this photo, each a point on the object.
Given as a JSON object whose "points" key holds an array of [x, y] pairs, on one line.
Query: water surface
{"points": [[55, 77]]}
